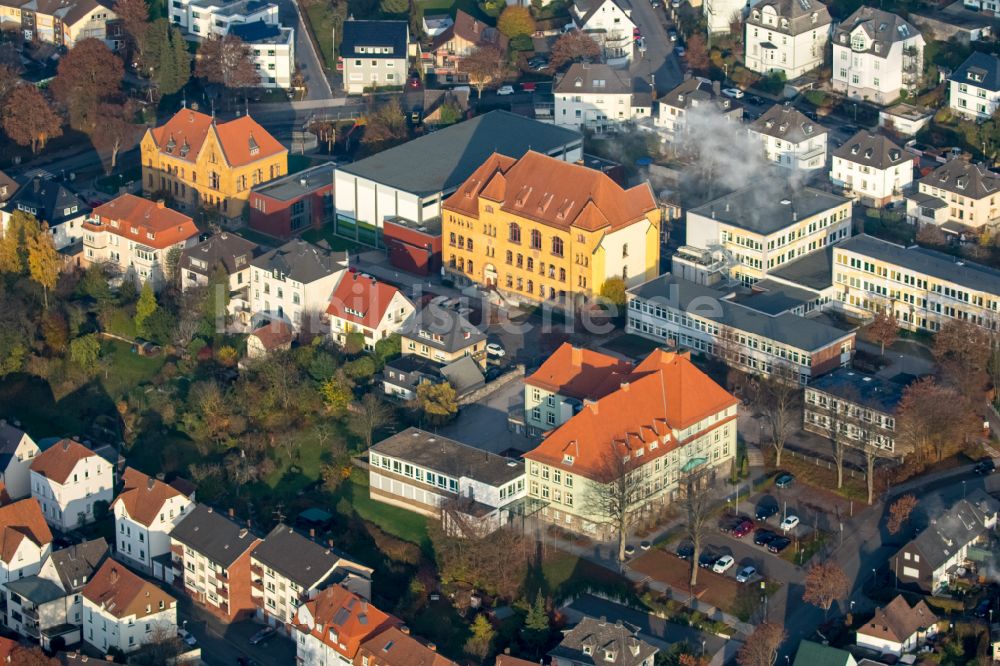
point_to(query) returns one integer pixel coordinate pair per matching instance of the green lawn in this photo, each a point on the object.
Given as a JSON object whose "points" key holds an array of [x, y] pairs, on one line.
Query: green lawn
{"points": [[110, 184], [401, 523], [321, 23], [565, 575], [298, 163], [452, 7], [336, 241]]}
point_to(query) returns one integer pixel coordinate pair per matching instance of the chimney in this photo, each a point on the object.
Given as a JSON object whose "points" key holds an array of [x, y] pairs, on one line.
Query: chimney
{"points": [[624, 386], [592, 404], [243, 533], [160, 203], [687, 75], [577, 356], [405, 630], [113, 578], [312, 532], [432, 647], [232, 512], [716, 88]]}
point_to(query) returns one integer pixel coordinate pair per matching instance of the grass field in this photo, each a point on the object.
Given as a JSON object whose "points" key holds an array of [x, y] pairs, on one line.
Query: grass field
{"points": [[320, 20], [398, 522], [452, 6], [128, 370]]}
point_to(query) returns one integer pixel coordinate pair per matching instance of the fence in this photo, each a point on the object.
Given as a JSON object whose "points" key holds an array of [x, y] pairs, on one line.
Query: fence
{"points": [[849, 470]]}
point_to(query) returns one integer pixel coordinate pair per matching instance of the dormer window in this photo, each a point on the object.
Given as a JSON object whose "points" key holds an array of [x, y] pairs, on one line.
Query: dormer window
{"points": [[254, 148], [609, 655], [171, 144], [567, 459]]}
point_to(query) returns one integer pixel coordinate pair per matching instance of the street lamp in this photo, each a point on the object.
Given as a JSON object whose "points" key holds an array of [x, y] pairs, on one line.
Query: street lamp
{"points": [[852, 605], [963, 490], [703, 648]]}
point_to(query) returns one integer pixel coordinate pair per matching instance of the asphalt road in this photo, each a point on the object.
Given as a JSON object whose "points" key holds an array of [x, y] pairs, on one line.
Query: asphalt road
{"points": [[658, 59], [306, 57]]}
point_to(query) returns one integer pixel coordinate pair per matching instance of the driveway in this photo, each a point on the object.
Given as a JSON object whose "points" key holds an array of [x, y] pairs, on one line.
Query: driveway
{"points": [[484, 424], [306, 56], [658, 60], [222, 644]]}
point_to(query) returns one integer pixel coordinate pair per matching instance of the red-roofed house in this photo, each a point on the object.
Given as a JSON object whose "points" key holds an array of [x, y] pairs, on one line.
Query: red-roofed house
{"points": [[146, 512], [330, 628], [25, 540], [556, 391], [203, 163], [665, 419], [276, 336], [67, 479], [123, 611], [362, 304], [135, 235]]}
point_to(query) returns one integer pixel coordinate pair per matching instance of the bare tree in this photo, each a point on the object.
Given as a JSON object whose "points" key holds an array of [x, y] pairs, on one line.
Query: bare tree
{"points": [[162, 645], [825, 584], [368, 416], [697, 508], [486, 66], [616, 493], [761, 647], [778, 398], [884, 329]]}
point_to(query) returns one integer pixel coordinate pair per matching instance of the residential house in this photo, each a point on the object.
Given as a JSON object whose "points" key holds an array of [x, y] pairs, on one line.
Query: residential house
{"points": [[52, 203], [207, 18], [8, 186], [273, 52], [375, 54], [294, 283], [462, 37], [17, 449], [904, 119], [597, 641], [330, 628], [959, 197], [211, 558], [25, 538], [872, 168], [401, 376], [762, 227], [955, 22], [923, 289], [274, 336], [570, 375], [929, 560], [135, 236], [898, 627], [146, 512], [288, 569], [644, 427], [205, 164], [813, 654], [364, 306], [287, 206], [61, 23], [395, 646], [538, 229], [789, 139], [787, 37], [68, 480], [48, 606], [472, 492], [974, 88], [609, 24], [225, 256], [693, 101], [876, 56], [596, 97], [386, 185], [122, 611], [862, 408], [753, 330], [443, 335]]}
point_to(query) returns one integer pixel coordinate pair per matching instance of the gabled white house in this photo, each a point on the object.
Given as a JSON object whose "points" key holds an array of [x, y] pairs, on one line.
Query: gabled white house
{"points": [[123, 611], [873, 168], [611, 26], [17, 449], [787, 36], [362, 304], [876, 56], [789, 139], [898, 627], [67, 479], [146, 512], [597, 97], [25, 540], [974, 88]]}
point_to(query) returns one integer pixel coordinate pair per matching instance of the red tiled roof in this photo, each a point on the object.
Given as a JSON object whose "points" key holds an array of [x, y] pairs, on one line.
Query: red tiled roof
{"points": [[22, 520], [361, 300], [143, 496], [7, 647], [187, 131], [339, 613], [273, 335], [123, 593], [665, 392], [394, 647], [554, 192], [58, 461], [472, 30], [580, 373], [143, 221]]}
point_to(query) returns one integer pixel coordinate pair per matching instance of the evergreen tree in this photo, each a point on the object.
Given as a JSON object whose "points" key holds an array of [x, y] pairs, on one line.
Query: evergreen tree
{"points": [[166, 52], [536, 624], [145, 308], [181, 62]]}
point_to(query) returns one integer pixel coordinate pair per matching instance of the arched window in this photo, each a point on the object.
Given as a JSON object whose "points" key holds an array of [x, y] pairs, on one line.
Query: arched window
{"points": [[536, 239], [557, 247], [515, 232]]}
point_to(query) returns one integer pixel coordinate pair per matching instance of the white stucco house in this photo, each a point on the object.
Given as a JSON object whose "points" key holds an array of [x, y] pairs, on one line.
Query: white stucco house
{"points": [[877, 56], [611, 26], [898, 628], [362, 304], [787, 36], [598, 97], [974, 88], [123, 611], [789, 139], [872, 168], [17, 450], [67, 479]]}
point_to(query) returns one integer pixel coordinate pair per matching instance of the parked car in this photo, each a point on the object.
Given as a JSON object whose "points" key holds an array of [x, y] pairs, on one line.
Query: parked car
{"points": [[679, 50], [636, 33], [746, 573], [778, 544], [784, 479], [735, 93], [262, 636], [729, 523], [707, 559], [645, 545], [723, 564], [743, 529], [983, 608], [675, 3], [493, 372], [187, 637], [528, 86], [764, 537], [765, 511], [416, 114], [538, 61], [673, 34], [495, 349], [789, 523], [641, 45], [505, 90], [986, 467], [685, 550], [414, 81]]}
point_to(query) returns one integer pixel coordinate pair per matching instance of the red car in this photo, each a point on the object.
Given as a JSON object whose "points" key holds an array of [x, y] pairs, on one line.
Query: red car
{"points": [[528, 86], [743, 529]]}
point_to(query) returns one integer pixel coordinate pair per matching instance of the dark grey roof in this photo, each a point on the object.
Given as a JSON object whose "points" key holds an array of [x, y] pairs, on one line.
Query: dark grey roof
{"points": [[36, 589], [301, 261], [301, 560], [449, 156], [443, 328], [393, 34], [801, 15], [812, 271], [955, 528], [76, 565], [981, 70], [785, 122], [697, 92], [925, 200], [49, 199], [255, 31], [872, 150], [224, 248], [416, 369], [213, 535], [297, 185], [773, 298], [799, 332], [583, 78], [10, 437], [449, 457], [862, 389], [758, 209], [883, 28], [464, 375], [927, 262], [964, 179], [594, 641]]}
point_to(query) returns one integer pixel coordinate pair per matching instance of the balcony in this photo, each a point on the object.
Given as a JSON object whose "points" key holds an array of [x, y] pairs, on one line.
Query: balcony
{"points": [[256, 570], [257, 584], [30, 611], [223, 592], [221, 577], [177, 550]]}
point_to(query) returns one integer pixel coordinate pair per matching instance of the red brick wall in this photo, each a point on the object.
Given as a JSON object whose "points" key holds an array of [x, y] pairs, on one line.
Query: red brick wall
{"points": [[410, 250], [276, 218], [241, 603], [828, 359]]}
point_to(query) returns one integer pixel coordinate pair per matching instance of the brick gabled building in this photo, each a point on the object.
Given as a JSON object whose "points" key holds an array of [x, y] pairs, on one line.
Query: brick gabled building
{"points": [[211, 561]]}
